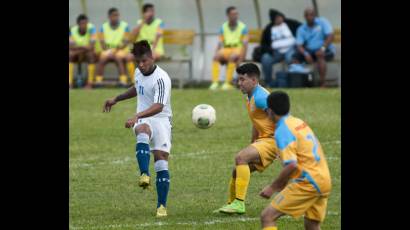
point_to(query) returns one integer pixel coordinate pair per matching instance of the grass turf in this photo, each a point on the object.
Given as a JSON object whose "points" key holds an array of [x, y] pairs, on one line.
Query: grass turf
{"points": [[103, 169]]}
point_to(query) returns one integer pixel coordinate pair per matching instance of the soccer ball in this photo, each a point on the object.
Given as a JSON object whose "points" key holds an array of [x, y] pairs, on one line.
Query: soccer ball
{"points": [[203, 116]]}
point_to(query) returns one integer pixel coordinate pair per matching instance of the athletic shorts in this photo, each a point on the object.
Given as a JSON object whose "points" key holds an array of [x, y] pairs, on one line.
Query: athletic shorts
{"points": [[268, 150], [298, 199], [160, 132], [118, 53], [227, 52]]}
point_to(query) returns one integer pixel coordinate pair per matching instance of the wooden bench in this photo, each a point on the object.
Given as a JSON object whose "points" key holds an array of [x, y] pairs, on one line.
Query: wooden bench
{"points": [[255, 36], [185, 40]]}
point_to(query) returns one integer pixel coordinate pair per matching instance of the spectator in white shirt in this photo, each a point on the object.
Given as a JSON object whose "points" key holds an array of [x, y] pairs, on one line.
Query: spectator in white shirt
{"points": [[283, 48]]}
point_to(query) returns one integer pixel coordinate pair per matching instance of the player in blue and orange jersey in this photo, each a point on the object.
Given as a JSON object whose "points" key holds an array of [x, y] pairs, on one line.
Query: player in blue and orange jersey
{"points": [[262, 150], [304, 183]]}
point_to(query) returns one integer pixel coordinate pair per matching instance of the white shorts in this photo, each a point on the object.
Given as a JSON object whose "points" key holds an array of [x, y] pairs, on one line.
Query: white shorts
{"points": [[160, 132]]}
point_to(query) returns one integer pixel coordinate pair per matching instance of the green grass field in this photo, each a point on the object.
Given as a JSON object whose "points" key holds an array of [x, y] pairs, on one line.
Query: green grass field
{"points": [[103, 182]]}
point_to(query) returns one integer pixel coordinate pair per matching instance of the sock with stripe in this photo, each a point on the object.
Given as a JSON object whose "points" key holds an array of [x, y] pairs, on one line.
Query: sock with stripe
{"points": [[162, 181], [143, 152]]}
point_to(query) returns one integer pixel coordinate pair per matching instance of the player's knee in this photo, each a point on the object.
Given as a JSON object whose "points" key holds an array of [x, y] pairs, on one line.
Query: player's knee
{"points": [[239, 159], [143, 128], [160, 155], [160, 165]]}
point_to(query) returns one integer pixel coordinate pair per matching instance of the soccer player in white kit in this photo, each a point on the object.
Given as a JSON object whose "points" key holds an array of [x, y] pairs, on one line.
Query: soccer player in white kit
{"points": [[152, 122]]}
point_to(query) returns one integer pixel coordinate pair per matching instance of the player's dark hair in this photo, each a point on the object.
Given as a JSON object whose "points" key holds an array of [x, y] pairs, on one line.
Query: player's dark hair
{"points": [[147, 6], [112, 10], [229, 9], [141, 48], [81, 17], [249, 69], [279, 102]]}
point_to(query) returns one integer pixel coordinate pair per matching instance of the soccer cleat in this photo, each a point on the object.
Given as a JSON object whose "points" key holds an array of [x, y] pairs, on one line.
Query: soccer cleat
{"points": [[161, 211], [227, 86], [236, 206], [219, 209], [144, 181], [214, 86]]}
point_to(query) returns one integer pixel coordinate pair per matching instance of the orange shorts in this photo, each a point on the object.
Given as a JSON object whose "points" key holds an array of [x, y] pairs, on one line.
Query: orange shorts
{"points": [[228, 52], [122, 53], [268, 150], [298, 199]]}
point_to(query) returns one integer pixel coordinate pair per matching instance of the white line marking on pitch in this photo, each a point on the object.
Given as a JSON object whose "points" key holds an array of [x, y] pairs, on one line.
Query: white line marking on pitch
{"points": [[128, 159], [201, 153], [191, 223]]}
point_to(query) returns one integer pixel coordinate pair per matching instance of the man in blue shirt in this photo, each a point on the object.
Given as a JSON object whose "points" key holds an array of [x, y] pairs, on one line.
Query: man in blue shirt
{"points": [[314, 42]]}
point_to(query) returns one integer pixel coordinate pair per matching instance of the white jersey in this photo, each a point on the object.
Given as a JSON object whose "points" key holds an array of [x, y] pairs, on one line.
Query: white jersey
{"points": [[153, 88], [282, 38]]}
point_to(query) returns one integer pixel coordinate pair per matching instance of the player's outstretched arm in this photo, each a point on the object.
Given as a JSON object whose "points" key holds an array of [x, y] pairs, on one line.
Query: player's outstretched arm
{"points": [[130, 93], [280, 182]]}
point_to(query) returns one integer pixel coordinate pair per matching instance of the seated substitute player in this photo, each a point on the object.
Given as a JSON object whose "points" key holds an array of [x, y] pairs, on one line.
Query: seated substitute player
{"points": [[232, 46], [304, 183], [262, 150], [114, 41], [82, 44], [151, 29], [152, 122]]}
